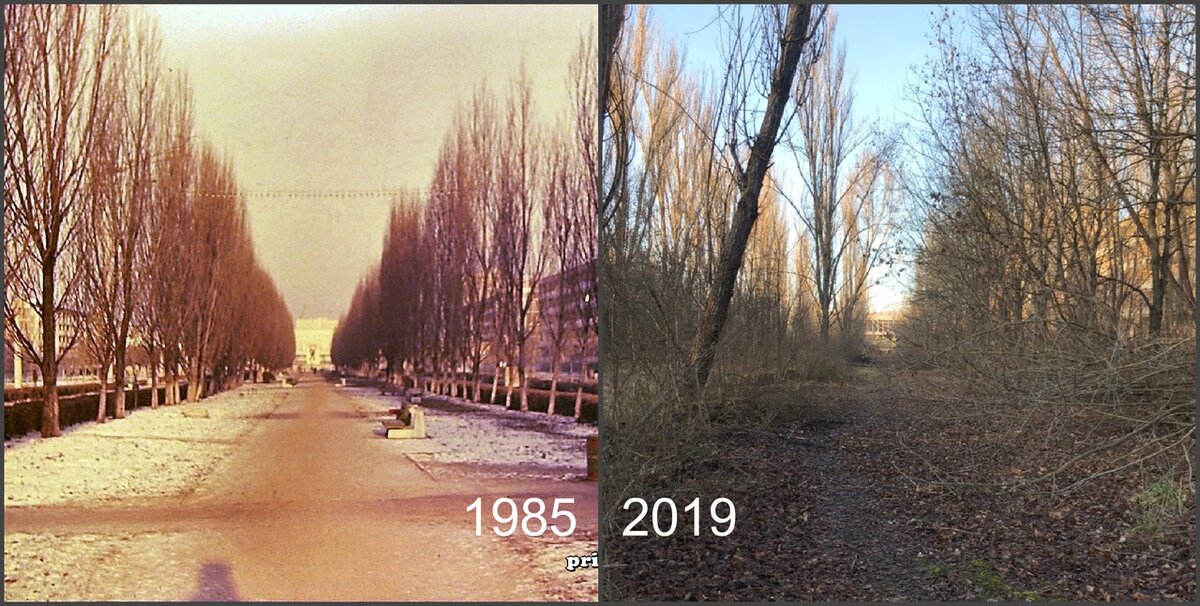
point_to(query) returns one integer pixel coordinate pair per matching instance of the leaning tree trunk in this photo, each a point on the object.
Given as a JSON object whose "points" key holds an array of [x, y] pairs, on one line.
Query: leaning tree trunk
{"points": [[611, 17], [716, 307]]}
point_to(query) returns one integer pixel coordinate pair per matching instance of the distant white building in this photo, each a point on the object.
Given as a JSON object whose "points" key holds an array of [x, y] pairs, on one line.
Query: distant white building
{"points": [[76, 362], [314, 337]]}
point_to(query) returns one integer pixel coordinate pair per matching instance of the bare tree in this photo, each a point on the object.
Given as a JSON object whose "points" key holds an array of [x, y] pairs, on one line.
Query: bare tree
{"points": [[479, 291], [1057, 191], [54, 58], [405, 320], [164, 266], [586, 211], [102, 248], [793, 32], [141, 118], [518, 254], [561, 197], [119, 177]]}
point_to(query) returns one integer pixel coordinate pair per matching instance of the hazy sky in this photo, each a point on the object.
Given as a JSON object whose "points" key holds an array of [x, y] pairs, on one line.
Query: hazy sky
{"points": [[882, 43], [337, 98]]}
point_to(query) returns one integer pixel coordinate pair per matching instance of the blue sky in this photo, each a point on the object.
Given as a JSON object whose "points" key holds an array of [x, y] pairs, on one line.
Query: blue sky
{"points": [[882, 42]]}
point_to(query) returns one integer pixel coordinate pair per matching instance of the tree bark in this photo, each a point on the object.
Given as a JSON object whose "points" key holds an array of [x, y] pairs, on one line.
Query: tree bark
{"points": [[49, 361], [119, 382], [611, 18], [102, 412], [553, 386], [153, 379], [478, 382]]}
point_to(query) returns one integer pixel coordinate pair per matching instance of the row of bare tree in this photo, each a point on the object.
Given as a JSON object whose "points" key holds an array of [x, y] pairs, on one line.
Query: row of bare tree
{"points": [[1060, 172], [122, 228], [500, 250], [1059, 187], [746, 215], [1056, 187]]}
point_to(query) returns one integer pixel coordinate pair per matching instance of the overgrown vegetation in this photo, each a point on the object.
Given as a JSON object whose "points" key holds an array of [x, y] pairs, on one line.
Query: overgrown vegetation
{"points": [[1057, 204], [678, 144], [1046, 352]]}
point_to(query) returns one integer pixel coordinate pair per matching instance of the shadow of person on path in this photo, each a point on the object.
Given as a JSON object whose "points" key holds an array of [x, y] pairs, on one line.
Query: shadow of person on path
{"points": [[216, 584]]}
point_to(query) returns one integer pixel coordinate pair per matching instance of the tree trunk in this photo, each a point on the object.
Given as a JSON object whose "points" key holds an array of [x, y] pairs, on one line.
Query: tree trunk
{"points": [[49, 361], [478, 382], [1161, 269], [579, 402], [495, 385], [508, 387], [195, 381], [119, 382], [153, 379], [716, 307], [102, 409], [521, 380], [553, 386], [611, 16]]}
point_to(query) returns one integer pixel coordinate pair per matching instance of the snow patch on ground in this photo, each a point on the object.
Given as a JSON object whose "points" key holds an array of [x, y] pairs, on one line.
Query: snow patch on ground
{"points": [[561, 585], [64, 567], [489, 435], [156, 452]]}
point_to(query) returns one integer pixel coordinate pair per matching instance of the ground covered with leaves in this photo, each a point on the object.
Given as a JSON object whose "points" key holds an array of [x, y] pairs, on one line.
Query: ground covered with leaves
{"points": [[858, 493]]}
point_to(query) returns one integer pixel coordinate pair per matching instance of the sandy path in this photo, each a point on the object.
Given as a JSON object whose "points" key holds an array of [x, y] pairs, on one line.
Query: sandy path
{"points": [[311, 505]]}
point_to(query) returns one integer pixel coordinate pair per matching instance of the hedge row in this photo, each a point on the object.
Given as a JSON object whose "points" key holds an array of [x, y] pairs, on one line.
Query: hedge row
{"points": [[23, 417], [17, 394], [588, 386]]}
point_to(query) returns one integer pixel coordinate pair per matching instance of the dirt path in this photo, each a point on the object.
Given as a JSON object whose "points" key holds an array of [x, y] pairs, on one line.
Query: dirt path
{"points": [[311, 506], [869, 550], [865, 496]]}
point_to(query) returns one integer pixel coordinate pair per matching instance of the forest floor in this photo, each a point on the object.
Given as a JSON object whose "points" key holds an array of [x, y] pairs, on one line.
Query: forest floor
{"points": [[276, 493], [856, 493]]}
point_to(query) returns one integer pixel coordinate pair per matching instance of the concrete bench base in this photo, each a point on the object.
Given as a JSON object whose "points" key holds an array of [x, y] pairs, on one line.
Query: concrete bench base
{"points": [[397, 430], [402, 434]]}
